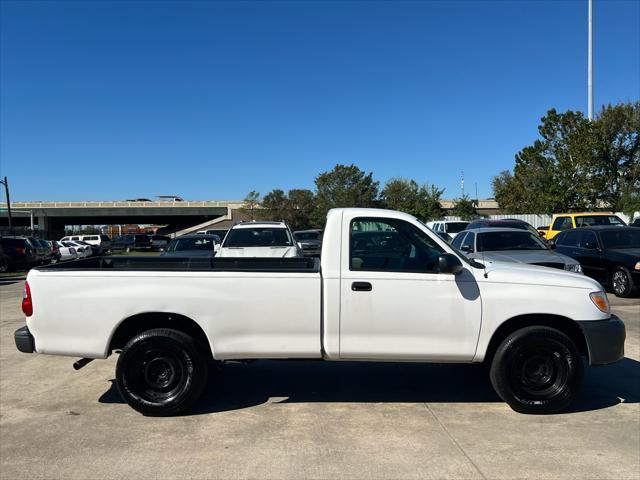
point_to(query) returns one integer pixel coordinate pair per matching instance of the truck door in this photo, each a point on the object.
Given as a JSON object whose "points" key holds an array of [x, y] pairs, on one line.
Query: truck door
{"points": [[394, 303]]}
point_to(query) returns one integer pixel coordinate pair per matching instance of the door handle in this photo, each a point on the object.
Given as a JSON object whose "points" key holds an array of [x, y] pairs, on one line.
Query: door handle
{"points": [[361, 286]]}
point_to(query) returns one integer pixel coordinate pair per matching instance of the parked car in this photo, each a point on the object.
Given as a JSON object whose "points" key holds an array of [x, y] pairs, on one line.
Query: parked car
{"points": [[21, 252], [567, 221], [259, 239], [42, 252], [66, 253], [47, 252], [82, 251], [101, 241], [310, 241], [194, 245], [221, 232], [126, 243], [386, 289], [512, 245], [452, 227], [5, 261], [159, 242], [504, 223], [610, 255], [55, 250]]}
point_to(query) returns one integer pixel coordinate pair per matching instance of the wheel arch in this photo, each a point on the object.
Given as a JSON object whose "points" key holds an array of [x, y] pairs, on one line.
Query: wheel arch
{"points": [[563, 324], [140, 322]]}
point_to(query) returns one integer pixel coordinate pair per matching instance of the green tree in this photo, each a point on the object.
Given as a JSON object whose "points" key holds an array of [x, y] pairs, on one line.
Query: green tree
{"points": [[301, 208], [343, 186], [274, 205], [429, 203], [405, 195], [465, 208], [295, 208], [251, 202], [576, 164]]}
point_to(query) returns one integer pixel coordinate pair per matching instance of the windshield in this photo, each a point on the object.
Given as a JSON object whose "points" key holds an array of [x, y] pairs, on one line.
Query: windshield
{"points": [[455, 227], [492, 241], [307, 236], [258, 237], [590, 220], [626, 238], [182, 244]]}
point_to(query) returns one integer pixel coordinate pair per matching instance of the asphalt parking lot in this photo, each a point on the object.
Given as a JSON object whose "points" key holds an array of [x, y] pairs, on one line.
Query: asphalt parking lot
{"points": [[312, 420]]}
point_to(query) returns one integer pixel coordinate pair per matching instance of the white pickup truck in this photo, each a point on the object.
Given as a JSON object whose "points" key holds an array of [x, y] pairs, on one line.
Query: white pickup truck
{"points": [[387, 289]]}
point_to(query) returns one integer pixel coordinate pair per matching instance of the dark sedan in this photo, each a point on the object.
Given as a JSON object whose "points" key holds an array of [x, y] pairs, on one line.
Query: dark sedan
{"points": [[193, 245], [610, 255]]}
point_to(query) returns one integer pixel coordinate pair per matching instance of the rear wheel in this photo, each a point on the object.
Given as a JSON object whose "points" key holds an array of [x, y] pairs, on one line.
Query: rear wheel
{"points": [[161, 372], [621, 282], [4, 265], [537, 370]]}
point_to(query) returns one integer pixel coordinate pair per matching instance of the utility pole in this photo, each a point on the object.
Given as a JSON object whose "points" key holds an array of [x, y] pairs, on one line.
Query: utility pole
{"points": [[590, 73], [462, 183], [5, 182]]}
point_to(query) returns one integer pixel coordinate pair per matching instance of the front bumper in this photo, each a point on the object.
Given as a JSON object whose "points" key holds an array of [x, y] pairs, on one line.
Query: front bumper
{"points": [[605, 340], [24, 340]]}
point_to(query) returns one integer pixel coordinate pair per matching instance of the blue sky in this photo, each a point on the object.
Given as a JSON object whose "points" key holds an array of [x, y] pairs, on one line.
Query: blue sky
{"points": [[208, 100]]}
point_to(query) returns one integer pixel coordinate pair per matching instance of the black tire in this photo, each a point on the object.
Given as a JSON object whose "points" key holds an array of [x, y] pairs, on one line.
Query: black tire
{"points": [[621, 282], [161, 372], [4, 265], [537, 370]]}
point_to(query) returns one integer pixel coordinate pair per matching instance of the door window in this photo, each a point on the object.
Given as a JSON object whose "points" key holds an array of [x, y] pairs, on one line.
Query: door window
{"points": [[467, 244], [568, 239], [393, 245], [588, 240], [457, 242], [562, 223]]}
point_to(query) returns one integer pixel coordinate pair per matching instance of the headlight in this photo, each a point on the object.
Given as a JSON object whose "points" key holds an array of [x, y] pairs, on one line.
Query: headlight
{"points": [[576, 268], [601, 301], [637, 267]]}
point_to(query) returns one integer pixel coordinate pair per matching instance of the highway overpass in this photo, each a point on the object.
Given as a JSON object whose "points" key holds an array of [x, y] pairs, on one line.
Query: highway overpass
{"points": [[51, 217]]}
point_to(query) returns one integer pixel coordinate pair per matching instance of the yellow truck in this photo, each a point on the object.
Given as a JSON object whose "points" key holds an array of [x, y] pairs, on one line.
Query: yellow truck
{"points": [[565, 221]]}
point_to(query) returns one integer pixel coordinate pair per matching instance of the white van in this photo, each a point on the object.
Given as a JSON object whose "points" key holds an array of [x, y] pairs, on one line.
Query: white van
{"points": [[103, 242]]}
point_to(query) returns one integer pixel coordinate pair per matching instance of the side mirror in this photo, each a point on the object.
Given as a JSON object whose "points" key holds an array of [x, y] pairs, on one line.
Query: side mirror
{"points": [[466, 248], [449, 263], [299, 245], [551, 243], [216, 247]]}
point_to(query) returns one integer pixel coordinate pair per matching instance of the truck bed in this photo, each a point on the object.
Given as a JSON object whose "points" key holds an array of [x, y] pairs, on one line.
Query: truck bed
{"points": [[189, 264]]}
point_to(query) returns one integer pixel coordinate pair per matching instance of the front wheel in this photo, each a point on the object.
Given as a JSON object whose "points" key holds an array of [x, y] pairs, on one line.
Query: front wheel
{"points": [[161, 372], [537, 370], [621, 282]]}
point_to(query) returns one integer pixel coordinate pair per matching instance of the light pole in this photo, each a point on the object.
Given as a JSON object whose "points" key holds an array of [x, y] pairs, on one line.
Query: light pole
{"points": [[590, 68], [5, 182]]}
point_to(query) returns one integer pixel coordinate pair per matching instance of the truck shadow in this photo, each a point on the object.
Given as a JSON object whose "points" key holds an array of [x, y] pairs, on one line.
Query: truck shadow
{"points": [[238, 385]]}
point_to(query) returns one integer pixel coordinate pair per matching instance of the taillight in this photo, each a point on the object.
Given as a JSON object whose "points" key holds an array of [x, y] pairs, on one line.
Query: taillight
{"points": [[27, 304]]}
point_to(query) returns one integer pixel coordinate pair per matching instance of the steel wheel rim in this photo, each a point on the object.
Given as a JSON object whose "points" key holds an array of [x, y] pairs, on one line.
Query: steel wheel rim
{"points": [[539, 373], [157, 375]]}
